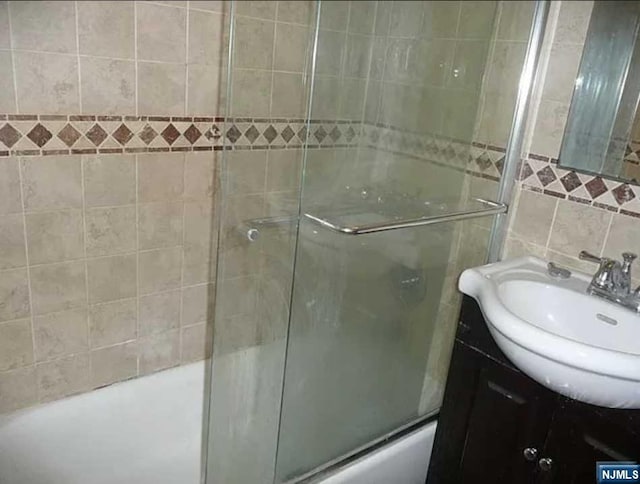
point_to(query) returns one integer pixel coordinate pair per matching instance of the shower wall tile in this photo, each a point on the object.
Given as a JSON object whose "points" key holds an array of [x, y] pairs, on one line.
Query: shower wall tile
{"points": [[295, 11], [164, 88], [111, 278], [113, 364], [45, 26], [14, 294], [106, 28], [60, 334], [159, 313], [58, 287], [196, 342], [291, 47], [16, 348], [159, 352], [7, 90], [161, 32], [112, 323], [254, 47], [12, 242], [18, 389], [54, 236], [63, 377], [5, 38], [108, 86], [46, 83], [52, 183]]}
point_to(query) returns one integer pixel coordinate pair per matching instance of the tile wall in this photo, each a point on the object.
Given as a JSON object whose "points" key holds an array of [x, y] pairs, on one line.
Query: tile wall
{"points": [[556, 212]]}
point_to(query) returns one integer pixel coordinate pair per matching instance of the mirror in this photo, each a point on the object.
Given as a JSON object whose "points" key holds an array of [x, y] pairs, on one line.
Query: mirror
{"points": [[603, 127]]}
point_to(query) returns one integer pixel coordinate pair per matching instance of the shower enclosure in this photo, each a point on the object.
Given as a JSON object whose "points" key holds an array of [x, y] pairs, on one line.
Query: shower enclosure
{"points": [[352, 197]]}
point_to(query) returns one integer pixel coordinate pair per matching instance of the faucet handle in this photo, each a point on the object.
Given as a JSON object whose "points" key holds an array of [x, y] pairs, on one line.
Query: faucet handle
{"points": [[629, 257], [589, 257]]}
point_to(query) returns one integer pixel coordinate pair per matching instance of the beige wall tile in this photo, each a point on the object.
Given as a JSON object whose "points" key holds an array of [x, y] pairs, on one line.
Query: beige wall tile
{"points": [[288, 97], [110, 230], [158, 313], [549, 128], [200, 224], [207, 38], [52, 182], [573, 21], [334, 15], [504, 66], [206, 97], [18, 389], [16, 346], [112, 278], [64, 377], [12, 245], [236, 296], [211, 5], [331, 48], [352, 98], [259, 9], [7, 92], [623, 236], [46, 83], [578, 227], [199, 265], [562, 71], [60, 334], [469, 59], [44, 26], [406, 18], [251, 93], [57, 287], [199, 173], [109, 180], [362, 15], [160, 177], [283, 170], [113, 364], [112, 323], [197, 343], [108, 86], [534, 216], [55, 236], [246, 172], [160, 224], [292, 43], [14, 294], [161, 88], [161, 33], [160, 270], [159, 351], [197, 304], [10, 199], [254, 43], [515, 20], [296, 11], [476, 19], [5, 38], [106, 28]]}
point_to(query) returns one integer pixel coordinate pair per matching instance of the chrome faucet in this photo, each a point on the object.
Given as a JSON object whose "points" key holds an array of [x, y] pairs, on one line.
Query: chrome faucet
{"points": [[612, 280]]}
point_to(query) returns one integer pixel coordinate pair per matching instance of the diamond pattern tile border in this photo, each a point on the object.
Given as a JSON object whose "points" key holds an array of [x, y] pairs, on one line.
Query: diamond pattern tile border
{"points": [[89, 134]]}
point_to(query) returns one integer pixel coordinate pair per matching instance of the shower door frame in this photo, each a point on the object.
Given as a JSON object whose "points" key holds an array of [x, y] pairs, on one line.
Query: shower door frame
{"points": [[496, 237]]}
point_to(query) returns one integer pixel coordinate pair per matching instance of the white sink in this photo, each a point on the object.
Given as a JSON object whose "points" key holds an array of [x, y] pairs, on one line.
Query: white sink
{"points": [[575, 344]]}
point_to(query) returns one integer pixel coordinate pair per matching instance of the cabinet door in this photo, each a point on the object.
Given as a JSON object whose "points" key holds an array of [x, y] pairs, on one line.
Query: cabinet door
{"points": [[490, 415], [581, 435], [510, 413]]}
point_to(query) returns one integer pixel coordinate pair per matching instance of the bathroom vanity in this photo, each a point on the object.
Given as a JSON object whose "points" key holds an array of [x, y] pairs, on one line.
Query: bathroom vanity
{"points": [[498, 425]]}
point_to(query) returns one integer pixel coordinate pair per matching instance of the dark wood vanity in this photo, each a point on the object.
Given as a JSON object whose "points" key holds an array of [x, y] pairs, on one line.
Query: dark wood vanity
{"points": [[497, 425]]}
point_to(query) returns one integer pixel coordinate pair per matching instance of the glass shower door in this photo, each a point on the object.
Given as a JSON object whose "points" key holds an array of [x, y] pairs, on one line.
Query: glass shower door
{"points": [[371, 325]]}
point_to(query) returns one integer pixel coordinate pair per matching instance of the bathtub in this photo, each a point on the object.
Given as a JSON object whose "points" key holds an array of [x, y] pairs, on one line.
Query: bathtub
{"points": [[148, 431]]}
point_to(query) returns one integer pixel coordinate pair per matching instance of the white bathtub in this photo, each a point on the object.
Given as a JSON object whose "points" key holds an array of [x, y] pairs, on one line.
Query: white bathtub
{"points": [[148, 431]]}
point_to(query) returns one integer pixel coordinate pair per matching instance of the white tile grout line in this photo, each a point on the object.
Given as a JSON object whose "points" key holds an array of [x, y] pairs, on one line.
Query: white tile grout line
{"points": [[182, 252], [75, 6], [551, 226], [606, 234], [135, 60], [135, 161], [186, 61], [26, 255], [13, 58], [86, 263]]}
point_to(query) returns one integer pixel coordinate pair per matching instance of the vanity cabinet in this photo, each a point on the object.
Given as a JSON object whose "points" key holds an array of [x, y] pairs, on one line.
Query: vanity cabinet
{"points": [[498, 425]]}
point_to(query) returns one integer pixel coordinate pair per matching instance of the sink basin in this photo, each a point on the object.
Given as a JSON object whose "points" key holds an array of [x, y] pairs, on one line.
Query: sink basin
{"points": [[578, 345]]}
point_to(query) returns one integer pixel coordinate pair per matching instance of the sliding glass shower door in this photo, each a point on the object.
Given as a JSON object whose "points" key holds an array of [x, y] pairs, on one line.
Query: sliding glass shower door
{"points": [[336, 306]]}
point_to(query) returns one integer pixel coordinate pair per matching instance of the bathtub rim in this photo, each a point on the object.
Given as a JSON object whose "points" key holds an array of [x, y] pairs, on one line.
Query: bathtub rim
{"points": [[316, 475]]}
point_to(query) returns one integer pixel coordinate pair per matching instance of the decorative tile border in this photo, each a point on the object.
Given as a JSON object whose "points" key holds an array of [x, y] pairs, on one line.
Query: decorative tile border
{"points": [[543, 175], [41, 135]]}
